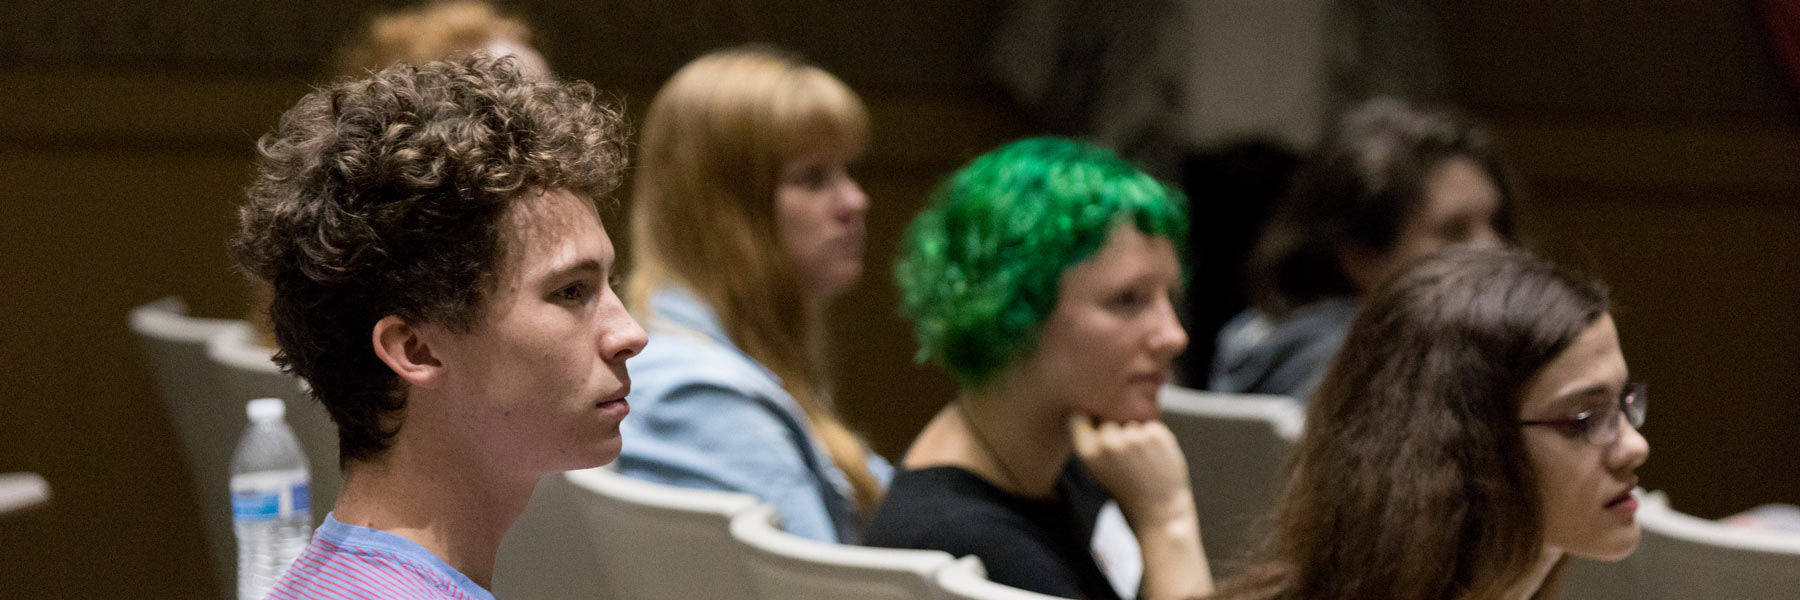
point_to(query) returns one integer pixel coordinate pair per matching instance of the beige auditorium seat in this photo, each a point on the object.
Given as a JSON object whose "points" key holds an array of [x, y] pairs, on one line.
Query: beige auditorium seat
{"points": [[966, 579], [784, 566], [1682, 557], [245, 372], [595, 534], [21, 492], [1236, 447], [207, 420]]}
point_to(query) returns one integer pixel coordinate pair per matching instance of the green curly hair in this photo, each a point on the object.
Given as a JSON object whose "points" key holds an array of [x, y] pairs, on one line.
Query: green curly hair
{"points": [[980, 267]]}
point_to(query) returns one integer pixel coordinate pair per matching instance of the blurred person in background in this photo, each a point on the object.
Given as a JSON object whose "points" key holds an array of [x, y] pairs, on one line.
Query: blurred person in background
{"points": [[436, 30], [1043, 276], [418, 35], [1391, 182], [1479, 426], [746, 224]]}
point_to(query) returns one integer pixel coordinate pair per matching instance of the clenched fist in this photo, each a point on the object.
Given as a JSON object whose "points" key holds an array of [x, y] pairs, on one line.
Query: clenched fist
{"points": [[1140, 463]]}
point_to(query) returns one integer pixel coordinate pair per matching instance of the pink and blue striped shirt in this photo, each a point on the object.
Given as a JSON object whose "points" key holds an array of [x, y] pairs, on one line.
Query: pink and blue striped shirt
{"points": [[346, 562]]}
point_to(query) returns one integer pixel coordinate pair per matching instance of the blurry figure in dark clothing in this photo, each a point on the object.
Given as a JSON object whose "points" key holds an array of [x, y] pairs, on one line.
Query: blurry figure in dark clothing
{"points": [[1230, 193], [1390, 183]]}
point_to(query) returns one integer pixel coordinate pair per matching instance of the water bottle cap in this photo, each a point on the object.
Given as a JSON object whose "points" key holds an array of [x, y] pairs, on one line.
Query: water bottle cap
{"points": [[266, 409]]}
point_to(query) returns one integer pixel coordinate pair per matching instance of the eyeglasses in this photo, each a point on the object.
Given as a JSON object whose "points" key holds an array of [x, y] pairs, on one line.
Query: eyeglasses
{"points": [[1600, 426]]}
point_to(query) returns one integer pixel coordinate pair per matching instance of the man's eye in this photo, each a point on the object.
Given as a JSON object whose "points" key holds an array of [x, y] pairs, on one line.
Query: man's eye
{"points": [[572, 293]]}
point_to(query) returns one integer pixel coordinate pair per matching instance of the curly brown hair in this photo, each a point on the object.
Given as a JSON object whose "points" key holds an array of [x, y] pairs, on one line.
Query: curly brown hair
{"points": [[388, 195]]}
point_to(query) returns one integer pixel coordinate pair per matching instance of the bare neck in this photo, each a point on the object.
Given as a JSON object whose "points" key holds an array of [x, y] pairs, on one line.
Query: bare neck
{"points": [[456, 509], [1539, 574], [1015, 441]]}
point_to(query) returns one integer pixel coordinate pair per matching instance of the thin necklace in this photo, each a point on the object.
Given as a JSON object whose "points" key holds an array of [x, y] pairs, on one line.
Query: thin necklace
{"points": [[981, 440]]}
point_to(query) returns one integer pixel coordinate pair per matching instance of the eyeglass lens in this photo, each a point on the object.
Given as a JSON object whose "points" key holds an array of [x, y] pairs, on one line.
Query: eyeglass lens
{"points": [[1631, 404]]}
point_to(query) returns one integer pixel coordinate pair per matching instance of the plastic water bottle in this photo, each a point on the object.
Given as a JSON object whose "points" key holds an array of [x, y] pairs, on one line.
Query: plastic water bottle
{"points": [[270, 503]]}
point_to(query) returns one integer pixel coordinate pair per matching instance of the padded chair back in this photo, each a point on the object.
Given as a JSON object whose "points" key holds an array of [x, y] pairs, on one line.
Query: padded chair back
{"points": [[597, 534], [206, 419], [1236, 446], [548, 552], [1682, 556], [20, 492], [245, 372], [966, 579], [784, 566]]}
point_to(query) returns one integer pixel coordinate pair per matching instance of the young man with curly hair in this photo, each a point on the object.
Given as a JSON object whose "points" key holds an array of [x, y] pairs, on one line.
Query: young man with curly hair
{"points": [[441, 279]]}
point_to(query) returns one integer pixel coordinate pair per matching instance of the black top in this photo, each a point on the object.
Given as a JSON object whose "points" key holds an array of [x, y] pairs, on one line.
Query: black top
{"points": [[1040, 545]]}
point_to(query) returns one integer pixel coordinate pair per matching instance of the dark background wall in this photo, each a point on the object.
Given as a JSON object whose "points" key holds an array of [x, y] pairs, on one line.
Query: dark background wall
{"points": [[1659, 141]]}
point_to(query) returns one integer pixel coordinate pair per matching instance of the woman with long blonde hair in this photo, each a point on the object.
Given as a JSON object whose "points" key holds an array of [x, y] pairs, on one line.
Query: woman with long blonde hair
{"points": [[746, 224]]}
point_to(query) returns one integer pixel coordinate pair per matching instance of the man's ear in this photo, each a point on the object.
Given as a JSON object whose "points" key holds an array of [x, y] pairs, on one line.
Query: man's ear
{"points": [[405, 350]]}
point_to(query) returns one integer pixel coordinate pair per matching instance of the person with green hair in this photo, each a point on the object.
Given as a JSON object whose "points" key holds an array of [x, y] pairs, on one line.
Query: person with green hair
{"points": [[1041, 277]]}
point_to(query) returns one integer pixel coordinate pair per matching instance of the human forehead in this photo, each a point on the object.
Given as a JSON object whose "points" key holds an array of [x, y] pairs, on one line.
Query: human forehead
{"points": [[819, 152], [1126, 254], [531, 63], [1592, 365], [545, 231], [1458, 185]]}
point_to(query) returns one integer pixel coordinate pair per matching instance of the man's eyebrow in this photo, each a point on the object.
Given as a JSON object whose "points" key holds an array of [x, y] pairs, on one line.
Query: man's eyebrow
{"points": [[587, 265]]}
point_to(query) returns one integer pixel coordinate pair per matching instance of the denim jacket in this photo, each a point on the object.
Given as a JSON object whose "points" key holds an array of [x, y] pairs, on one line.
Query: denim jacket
{"points": [[705, 415]]}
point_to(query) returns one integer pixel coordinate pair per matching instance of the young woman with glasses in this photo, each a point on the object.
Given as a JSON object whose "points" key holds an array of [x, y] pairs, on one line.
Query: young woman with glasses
{"points": [[1478, 426]]}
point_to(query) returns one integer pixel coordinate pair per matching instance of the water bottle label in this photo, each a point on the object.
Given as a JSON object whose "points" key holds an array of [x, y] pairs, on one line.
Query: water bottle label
{"points": [[269, 495]]}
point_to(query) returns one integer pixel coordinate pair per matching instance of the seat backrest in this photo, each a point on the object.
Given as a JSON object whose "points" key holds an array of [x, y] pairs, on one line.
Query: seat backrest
{"points": [[784, 566], [1236, 446], [966, 579], [207, 420], [245, 372], [21, 492], [1683, 556], [549, 553], [599, 534]]}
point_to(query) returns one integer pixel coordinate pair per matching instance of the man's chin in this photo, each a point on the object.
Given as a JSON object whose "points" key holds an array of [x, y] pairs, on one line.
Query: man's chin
{"points": [[598, 454]]}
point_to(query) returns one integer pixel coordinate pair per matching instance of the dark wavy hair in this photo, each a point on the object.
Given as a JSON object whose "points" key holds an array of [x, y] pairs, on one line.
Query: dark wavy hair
{"points": [[388, 195], [1361, 185], [980, 267], [1412, 479]]}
